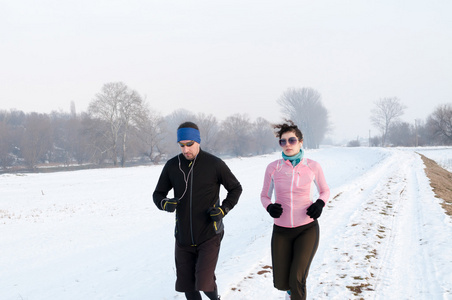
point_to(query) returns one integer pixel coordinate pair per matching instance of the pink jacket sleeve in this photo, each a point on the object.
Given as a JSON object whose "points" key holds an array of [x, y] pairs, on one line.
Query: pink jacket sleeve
{"points": [[324, 190], [267, 189]]}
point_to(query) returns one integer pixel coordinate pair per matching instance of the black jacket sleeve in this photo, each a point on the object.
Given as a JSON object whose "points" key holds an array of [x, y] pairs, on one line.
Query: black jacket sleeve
{"points": [[231, 184], [163, 187]]}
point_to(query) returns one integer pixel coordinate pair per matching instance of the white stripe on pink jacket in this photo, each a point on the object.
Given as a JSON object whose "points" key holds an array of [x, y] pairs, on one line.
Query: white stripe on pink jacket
{"points": [[295, 188]]}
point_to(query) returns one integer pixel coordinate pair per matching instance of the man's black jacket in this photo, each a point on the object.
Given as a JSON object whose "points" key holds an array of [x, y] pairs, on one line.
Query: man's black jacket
{"points": [[200, 190]]}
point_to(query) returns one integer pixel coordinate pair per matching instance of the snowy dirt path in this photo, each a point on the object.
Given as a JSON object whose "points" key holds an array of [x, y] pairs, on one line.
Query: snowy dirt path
{"points": [[379, 250], [375, 240]]}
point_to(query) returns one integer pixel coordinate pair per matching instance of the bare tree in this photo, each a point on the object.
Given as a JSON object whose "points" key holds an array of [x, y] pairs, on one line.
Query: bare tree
{"points": [[264, 137], [440, 124], [106, 107], [422, 135], [15, 120], [61, 151], [5, 159], [236, 131], [402, 134], [69, 140], [305, 108], [37, 139], [79, 143], [6, 141], [94, 132], [319, 125], [386, 112], [133, 112], [152, 135], [209, 128], [119, 107]]}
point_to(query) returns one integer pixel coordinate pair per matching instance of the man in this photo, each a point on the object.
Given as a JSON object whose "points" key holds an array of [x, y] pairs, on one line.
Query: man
{"points": [[195, 177]]}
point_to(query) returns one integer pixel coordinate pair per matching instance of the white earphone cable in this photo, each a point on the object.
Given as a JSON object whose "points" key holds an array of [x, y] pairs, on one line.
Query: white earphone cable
{"points": [[186, 177]]}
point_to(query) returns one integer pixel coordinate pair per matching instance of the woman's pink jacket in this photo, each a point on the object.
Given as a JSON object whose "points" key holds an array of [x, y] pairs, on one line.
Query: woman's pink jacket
{"points": [[295, 188]]}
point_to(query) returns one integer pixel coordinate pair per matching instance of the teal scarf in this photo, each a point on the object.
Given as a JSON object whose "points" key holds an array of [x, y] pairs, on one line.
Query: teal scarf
{"points": [[294, 159]]}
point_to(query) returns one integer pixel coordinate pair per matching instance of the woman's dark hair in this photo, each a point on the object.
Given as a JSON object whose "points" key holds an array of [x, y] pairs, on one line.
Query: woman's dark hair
{"points": [[289, 126], [188, 125]]}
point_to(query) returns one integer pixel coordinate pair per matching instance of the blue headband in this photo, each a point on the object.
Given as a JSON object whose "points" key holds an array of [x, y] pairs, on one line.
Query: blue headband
{"points": [[188, 134]]}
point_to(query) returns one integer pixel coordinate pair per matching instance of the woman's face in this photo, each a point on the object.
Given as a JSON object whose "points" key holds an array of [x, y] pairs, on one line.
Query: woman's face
{"points": [[290, 143]]}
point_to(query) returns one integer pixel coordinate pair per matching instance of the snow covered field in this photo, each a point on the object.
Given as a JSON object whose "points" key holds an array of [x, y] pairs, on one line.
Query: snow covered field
{"points": [[96, 234]]}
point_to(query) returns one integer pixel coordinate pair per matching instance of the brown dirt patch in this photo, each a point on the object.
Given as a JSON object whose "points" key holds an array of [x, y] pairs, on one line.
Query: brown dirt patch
{"points": [[440, 181]]}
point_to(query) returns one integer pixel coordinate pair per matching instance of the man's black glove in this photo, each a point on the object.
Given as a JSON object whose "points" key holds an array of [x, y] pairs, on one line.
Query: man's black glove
{"points": [[275, 210], [170, 204], [216, 213], [315, 210]]}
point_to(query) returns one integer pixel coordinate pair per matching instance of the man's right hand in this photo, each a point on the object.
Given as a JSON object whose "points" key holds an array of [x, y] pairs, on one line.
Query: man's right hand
{"points": [[170, 204]]}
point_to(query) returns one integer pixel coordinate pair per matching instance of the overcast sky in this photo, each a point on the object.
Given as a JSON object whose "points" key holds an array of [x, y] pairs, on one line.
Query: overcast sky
{"points": [[227, 57]]}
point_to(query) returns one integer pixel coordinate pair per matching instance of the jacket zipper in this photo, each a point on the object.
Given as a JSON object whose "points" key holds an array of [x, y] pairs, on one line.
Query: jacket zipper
{"points": [[215, 222], [191, 210], [291, 197]]}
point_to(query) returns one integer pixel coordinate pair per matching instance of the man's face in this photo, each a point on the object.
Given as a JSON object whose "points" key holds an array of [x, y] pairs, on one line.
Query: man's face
{"points": [[189, 152]]}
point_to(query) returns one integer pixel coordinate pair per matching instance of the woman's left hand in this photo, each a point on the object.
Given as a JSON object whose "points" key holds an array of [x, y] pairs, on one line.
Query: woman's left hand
{"points": [[315, 210]]}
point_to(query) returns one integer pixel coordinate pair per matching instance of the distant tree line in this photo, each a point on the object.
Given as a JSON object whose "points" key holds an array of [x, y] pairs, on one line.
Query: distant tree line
{"points": [[119, 128], [66, 139], [436, 130]]}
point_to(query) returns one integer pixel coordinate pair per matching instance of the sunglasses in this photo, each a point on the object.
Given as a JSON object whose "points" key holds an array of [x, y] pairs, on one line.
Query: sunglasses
{"points": [[187, 144], [292, 141]]}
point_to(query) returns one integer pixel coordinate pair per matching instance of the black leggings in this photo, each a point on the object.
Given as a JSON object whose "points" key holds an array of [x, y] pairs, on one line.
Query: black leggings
{"points": [[292, 252], [195, 295]]}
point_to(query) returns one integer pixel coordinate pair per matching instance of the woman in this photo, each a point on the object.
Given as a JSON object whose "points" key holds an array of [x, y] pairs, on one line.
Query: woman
{"points": [[295, 238]]}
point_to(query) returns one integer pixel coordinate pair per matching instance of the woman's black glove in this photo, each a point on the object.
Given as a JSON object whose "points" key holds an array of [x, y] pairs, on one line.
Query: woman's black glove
{"points": [[275, 210], [315, 210], [170, 204]]}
